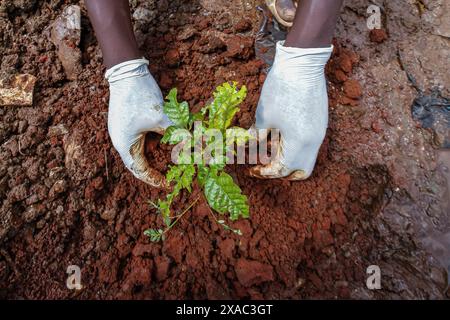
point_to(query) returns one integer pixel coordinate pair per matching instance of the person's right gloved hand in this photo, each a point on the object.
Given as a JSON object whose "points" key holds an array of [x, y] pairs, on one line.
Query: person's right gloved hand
{"points": [[294, 100], [135, 107]]}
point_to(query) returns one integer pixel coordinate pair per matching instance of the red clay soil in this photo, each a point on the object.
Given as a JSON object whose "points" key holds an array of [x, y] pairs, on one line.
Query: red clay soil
{"points": [[68, 200]]}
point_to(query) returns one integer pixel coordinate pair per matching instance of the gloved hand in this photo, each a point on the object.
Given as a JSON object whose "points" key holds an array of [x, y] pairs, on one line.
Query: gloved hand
{"points": [[135, 107], [294, 100]]}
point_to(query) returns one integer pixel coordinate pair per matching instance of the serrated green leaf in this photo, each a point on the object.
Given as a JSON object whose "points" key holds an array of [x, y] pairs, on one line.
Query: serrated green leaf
{"points": [[224, 195], [225, 105], [177, 112], [155, 236], [187, 177], [214, 153], [175, 135], [217, 167], [168, 134], [164, 207], [240, 135], [174, 173], [183, 174], [167, 220], [193, 117], [203, 172]]}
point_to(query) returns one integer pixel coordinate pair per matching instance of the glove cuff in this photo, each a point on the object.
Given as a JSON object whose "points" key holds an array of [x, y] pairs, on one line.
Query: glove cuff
{"points": [[303, 56], [127, 69]]}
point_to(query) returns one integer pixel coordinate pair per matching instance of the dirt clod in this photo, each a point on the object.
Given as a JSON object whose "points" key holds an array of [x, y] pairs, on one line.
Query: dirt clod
{"points": [[378, 35], [251, 273]]}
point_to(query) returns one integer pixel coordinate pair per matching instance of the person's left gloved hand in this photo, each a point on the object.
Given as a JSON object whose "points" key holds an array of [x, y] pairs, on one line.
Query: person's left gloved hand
{"points": [[294, 100], [135, 108]]}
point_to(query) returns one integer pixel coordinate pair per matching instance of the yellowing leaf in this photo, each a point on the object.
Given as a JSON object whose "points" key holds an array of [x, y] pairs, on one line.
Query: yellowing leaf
{"points": [[225, 105]]}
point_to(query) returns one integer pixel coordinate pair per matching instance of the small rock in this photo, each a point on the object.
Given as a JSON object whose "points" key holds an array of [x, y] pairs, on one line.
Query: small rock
{"points": [[172, 57], [352, 89], [323, 238], [340, 76], [65, 33], [59, 187], [32, 213], [109, 214], [165, 82], [18, 193], [144, 14], [22, 127], [97, 183], [239, 47], [378, 35], [17, 91], [89, 231], [57, 130], [376, 127], [243, 26], [223, 21], [187, 33]]}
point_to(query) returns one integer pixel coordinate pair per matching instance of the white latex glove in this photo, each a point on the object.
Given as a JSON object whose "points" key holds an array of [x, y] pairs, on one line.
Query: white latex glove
{"points": [[294, 100], [135, 107]]}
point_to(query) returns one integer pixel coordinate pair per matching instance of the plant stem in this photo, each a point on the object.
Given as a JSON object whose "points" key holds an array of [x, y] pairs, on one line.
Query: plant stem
{"points": [[222, 224], [181, 215]]}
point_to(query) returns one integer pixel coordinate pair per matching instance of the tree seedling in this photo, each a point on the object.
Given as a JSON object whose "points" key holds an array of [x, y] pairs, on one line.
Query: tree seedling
{"points": [[208, 133]]}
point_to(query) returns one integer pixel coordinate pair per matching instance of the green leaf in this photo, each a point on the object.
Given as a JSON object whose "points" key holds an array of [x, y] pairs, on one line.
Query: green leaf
{"points": [[168, 134], [164, 207], [199, 116], [154, 235], [175, 135], [224, 195], [225, 105], [217, 167], [177, 112], [203, 172], [167, 220], [215, 151], [187, 177], [174, 173], [183, 174], [240, 135]]}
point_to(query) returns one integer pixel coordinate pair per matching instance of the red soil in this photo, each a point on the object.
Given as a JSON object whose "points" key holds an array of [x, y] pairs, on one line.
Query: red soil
{"points": [[70, 200]]}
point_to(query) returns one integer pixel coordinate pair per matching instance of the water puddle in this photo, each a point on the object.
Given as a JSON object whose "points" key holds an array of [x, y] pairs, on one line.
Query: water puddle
{"points": [[432, 111]]}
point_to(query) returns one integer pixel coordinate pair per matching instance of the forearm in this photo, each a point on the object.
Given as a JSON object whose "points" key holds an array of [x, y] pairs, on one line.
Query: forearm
{"points": [[314, 24], [111, 20]]}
